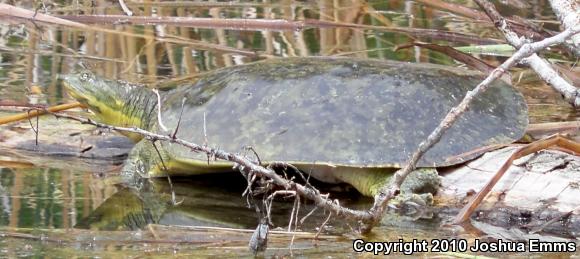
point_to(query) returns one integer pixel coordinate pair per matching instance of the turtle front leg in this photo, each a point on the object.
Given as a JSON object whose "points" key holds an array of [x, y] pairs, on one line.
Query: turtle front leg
{"points": [[143, 162], [417, 193]]}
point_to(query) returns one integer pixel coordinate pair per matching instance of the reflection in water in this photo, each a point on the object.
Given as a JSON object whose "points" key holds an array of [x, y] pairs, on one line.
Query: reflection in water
{"points": [[49, 198], [201, 201]]}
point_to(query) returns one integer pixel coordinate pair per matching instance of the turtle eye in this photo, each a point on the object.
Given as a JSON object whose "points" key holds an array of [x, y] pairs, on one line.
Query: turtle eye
{"points": [[85, 76]]}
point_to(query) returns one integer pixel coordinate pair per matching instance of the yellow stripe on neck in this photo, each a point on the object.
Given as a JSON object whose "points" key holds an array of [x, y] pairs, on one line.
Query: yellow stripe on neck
{"points": [[115, 117]]}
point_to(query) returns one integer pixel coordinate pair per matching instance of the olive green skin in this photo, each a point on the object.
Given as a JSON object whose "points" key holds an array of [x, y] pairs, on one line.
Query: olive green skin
{"points": [[331, 116]]}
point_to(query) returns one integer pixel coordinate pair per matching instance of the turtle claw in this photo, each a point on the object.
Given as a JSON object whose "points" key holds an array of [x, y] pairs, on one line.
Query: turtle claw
{"points": [[414, 206]]}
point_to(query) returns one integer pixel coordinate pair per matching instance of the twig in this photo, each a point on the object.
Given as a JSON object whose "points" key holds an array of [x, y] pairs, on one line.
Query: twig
{"points": [[158, 154], [34, 129], [297, 204], [159, 111], [308, 215], [126, 9], [179, 120], [205, 141], [255, 153], [391, 189], [294, 213], [173, 200], [284, 165], [323, 224]]}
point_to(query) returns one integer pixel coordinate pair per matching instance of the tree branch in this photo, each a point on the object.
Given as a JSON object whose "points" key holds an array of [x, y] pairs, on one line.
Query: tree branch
{"points": [[568, 12], [570, 93]]}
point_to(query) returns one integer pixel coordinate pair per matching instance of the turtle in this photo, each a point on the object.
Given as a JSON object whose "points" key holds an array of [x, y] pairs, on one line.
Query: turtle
{"points": [[337, 119]]}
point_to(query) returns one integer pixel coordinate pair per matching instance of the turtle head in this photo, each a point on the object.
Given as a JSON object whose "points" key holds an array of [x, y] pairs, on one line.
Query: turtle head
{"points": [[113, 102], [99, 95]]}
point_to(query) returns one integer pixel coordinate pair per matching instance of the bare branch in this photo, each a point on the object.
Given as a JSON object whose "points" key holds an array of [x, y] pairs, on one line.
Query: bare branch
{"points": [[568, 12], [179, 120], [570, 93]]}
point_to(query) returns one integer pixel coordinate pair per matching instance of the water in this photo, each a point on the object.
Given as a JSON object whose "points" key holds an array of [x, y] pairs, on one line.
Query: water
{"points": [[41, 194]]}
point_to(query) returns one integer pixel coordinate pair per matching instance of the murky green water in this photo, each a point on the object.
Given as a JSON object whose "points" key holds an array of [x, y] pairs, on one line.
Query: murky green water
{"points": [[39, 194]]}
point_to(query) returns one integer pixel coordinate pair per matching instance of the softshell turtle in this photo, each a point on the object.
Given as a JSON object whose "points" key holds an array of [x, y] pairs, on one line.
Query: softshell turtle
{"points": [[342, 120]]}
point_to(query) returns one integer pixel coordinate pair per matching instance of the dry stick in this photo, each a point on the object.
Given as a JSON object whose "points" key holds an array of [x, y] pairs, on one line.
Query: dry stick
{"points": [[553, 127], [34, 129], [210, 23], [241, 163], [540, 65], [297, 204], [160, 122], [391, 189], [273, 24], [322, 225], [35, 113], [159, 111], [521, 152], [179, 120]]}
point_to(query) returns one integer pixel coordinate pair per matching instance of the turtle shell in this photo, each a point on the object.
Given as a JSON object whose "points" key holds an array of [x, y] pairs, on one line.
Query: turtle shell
{"points": [[343, 112]]}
